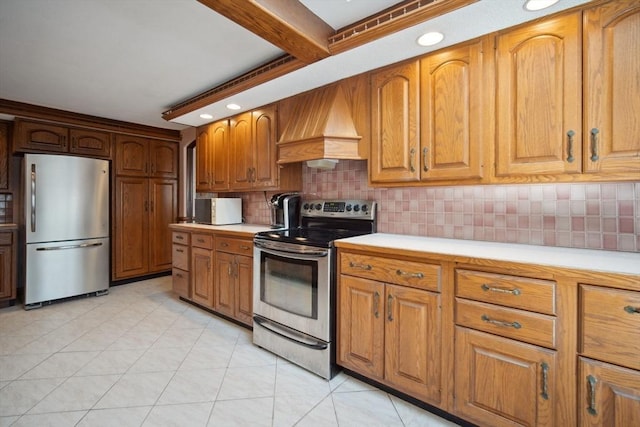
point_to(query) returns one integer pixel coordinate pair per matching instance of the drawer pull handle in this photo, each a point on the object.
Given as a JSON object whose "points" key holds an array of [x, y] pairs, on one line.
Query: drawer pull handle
{"points": [[591, 383], [515, 291], [594, 145], [245, 247], [179, 238], [390, 307], [179, 275], [545, 381], [570, 135], [514, 325], [224, 244], [361, 266], [632, 310], [179, 250], [200, 240], [376, 304], [411, 275], [412, 153]]}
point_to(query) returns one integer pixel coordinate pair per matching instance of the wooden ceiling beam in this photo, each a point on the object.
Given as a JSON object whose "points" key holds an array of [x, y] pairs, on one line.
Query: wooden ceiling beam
{"points": [[287, 24]]}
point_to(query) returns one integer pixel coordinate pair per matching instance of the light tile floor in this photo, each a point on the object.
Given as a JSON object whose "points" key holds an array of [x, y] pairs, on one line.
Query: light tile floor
{"points": [[141, 357]]}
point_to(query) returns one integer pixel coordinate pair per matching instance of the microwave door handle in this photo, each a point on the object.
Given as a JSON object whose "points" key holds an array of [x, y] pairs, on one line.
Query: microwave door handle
{"points": [[33, 198]]}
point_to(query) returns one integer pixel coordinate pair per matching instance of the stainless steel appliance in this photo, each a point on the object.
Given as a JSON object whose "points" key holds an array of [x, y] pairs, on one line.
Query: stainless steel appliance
{"points": [[66, 227], [219, 211], [295, 282], [285, 210]]}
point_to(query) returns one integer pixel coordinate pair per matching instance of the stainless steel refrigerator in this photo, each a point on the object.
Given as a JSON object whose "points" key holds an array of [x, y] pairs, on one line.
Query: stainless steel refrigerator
{"points": [[66, 210]]}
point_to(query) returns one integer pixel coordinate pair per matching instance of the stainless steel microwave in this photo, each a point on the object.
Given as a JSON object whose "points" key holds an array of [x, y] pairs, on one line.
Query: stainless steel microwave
{"points": [[219, 211]]}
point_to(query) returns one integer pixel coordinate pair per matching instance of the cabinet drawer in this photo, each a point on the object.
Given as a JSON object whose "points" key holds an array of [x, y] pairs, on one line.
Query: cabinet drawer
{"points": [[6, 239], [180, 257], [408, 273], [512, 291], [180, 282], [236, 246], [521, 325], [610, 325], [204, 241], [180, 237]]}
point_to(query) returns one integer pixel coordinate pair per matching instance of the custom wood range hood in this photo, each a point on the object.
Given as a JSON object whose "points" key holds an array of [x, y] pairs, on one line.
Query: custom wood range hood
{"points": [[321, 128]]}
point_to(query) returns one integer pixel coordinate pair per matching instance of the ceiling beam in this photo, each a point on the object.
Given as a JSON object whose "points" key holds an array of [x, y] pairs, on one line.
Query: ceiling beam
{"points": [[287, 24]]}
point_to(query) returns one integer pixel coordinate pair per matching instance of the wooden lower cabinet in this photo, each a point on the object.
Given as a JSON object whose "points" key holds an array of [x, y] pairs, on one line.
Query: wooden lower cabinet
{"points": [[8, 246], [202, 275], [391, 333], [502, 382], [233, 295], [608, 395], [144, 208]]}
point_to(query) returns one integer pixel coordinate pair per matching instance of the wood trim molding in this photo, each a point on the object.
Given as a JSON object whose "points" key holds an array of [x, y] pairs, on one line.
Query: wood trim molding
{"points": [[28, 111], [403, 15]]}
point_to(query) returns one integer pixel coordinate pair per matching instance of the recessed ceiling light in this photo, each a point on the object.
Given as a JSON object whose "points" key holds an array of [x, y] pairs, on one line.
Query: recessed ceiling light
{"points": [[233, 106], [429, 39], [206, 116], [533, 5]]}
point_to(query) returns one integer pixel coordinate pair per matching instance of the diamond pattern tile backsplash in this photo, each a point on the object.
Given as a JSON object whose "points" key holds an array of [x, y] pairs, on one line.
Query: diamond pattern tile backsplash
{"points": [[593, 216], [6, 208]]}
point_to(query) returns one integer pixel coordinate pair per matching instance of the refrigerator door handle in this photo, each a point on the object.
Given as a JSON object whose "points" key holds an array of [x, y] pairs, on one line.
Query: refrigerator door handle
{"points": [[33, 198], [57, 248]]}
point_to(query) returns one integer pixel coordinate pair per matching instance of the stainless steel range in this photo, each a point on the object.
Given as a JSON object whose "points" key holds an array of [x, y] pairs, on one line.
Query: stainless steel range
{"points": [[295, 282]]}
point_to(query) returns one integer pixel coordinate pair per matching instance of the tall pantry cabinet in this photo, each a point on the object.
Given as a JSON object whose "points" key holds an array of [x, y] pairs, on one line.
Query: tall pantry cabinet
{"points": [[146, 202]]}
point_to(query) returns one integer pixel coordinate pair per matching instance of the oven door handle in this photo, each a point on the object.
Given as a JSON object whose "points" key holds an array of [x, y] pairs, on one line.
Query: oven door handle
{"points": [[302, 252], [290, 335]]}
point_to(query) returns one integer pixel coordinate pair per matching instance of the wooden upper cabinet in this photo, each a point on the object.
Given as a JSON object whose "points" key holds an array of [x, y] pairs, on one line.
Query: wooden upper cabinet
{"points": [[204, 158], [136, 156], [452, 111], [4, 156], [612, 88], [37, 136], [132, 156], [241, 152], [539, 74], [395, 123], [265, 156], [93, 143]]}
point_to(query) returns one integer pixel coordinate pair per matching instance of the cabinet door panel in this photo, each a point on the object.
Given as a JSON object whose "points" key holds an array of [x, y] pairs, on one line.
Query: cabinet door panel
{"points": [[395, 124], [40, 137], [202, 276], [539, 98], [224, 299], [163, 210], [132, 156], [265, 168], [608, 395], [132, 227], [4, 156], [7, 287], [612, 85], [451, 111], [412, 341], [163, 159], [244, 289], [500, 382], [90, 142], [204, 157], [361, 326], [241, 156], [219, 141]]}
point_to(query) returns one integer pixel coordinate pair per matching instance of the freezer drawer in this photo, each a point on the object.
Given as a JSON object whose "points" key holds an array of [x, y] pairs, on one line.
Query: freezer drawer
{"points": [[64, 269]]}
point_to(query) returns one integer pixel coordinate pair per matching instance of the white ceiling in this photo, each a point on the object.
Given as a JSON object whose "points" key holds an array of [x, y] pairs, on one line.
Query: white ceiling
{"points": [[131, 60]]}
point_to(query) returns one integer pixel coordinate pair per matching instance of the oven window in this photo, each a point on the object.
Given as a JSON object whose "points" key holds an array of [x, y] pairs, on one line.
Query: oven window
{"points": [[289, 284]]}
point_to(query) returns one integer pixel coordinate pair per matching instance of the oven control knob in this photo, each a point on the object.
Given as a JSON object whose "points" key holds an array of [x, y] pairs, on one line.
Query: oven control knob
{"points": [[306, 206], [318, 206], [356, 208], [348, 207], [364, 208]]}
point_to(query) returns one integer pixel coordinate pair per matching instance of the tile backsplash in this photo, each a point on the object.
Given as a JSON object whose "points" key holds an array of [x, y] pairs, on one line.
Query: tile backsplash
{"points": [[6, 208], [594, 215]]}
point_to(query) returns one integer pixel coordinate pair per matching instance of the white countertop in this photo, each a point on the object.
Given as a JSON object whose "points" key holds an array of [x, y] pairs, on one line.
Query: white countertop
{"points": [[583, 259], [235, 228]]}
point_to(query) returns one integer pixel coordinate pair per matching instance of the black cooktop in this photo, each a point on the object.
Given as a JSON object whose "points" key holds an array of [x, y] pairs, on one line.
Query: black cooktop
{"points": [[324, 221]]}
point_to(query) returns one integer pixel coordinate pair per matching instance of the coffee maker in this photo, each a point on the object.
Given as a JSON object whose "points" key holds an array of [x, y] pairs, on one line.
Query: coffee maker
{"points": [[285, 210]]}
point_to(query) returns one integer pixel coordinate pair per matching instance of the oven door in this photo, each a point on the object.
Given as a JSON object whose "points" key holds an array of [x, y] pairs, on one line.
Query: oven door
{"points": [[292, 286]]}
